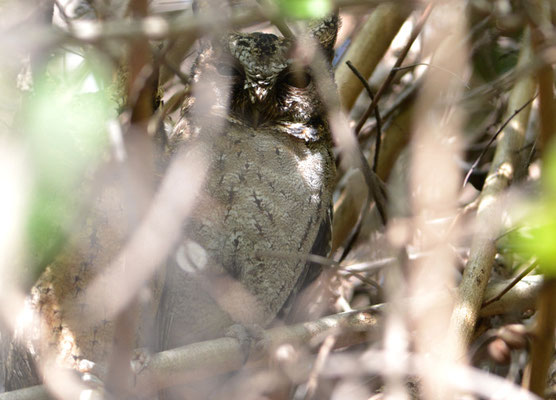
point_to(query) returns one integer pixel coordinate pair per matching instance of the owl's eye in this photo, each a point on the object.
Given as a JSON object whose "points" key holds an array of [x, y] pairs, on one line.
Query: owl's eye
{"points": [[228, 70], [299, 79]]}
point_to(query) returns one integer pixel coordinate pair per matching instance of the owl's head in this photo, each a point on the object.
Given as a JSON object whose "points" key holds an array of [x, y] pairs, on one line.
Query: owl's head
{"points": [[261, 81]]}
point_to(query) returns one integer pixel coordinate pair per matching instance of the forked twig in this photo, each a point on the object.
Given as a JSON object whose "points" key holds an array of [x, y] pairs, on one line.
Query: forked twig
{"points": [[377, 112], [416, 31], [493, 138], [532, 265]]}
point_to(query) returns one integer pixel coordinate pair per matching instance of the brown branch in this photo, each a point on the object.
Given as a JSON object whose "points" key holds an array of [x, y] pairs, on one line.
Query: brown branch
{"points": [[542, 346], [148, 28], [404, 99], [369, 47], [62, 12], [520, 298], [346, 208], [411, 66], [483, 246], [322, 356], [270, 11], [493, 138], [377, 112], [414, 33], [137, 173], [205, 359], [532, 265]]}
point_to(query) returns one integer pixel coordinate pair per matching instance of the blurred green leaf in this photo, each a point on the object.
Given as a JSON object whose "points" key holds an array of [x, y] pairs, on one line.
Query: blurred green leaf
{"points": [[65, 127], [305, 9], [537, 237]]}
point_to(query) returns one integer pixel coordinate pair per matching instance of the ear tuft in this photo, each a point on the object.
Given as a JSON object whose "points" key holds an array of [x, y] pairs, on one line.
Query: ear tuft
{"points": [[325, 30]]}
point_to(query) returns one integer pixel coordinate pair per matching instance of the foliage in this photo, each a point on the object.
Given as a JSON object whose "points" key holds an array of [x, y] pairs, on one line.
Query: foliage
{"points": [[305, 9], [537, 233], [64, 121]]}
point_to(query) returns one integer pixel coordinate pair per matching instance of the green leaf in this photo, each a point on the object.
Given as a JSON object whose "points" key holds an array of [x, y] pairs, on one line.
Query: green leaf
{"points": [[305, 9], [65, 128], [537, 237]]}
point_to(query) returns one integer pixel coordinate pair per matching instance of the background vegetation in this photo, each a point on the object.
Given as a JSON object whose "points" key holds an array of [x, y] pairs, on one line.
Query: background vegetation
{"points": [[456, 115]]}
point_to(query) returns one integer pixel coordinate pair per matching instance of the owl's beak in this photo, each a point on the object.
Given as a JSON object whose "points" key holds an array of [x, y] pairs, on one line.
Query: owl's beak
{"points": [[258, 95], [256, 117]]}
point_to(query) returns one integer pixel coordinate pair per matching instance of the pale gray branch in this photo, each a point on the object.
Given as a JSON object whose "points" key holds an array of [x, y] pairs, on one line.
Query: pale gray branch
{"points": [[204, 359]]}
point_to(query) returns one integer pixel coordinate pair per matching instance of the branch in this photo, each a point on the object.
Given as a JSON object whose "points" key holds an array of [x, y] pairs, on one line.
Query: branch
{"points": [[493, 138], [483, 247], [414, 33], [526, 271], [152, 28], [369, 47], [542, 346], [205, 359], [377, 112], [521, 297]]}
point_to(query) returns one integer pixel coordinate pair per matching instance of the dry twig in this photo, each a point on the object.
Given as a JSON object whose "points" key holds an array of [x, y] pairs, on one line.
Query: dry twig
{"points": [[414, 33], [204, 359], [483, 247]]}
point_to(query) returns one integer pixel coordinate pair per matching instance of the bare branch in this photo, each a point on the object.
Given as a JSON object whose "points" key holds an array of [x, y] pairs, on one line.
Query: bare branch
{"points": [[204, 359], [483, 247]]}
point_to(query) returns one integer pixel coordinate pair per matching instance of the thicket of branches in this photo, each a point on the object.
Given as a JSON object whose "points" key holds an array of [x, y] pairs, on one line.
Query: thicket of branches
{"points": [[450, 102]]}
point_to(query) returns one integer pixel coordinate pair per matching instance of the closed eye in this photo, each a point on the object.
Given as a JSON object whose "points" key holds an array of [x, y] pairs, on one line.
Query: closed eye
{"points": [[298, 78]]}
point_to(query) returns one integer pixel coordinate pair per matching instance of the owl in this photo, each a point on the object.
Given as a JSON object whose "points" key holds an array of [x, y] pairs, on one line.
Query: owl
{"points": [[258, 120]]}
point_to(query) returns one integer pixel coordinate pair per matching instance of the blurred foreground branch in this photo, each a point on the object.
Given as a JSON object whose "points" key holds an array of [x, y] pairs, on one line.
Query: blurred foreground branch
{"points": [[156, 27], [152, 28], [204, 359], [368, 49], [201, 360]]}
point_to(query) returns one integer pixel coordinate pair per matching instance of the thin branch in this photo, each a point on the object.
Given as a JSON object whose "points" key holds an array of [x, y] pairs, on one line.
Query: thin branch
{"points": [[152, 27], [270, 11], [368, 48], [416, 31], [354, 233], [63, 13], [542, 346], [200, 360], [403, 99], [363, 278], [204, 359], [376, 190], [493, 138], [184, 78], [465, 84], [318, 366], [483, 246], [532, 265], [313, 258], [377, 113], [369, 266]]}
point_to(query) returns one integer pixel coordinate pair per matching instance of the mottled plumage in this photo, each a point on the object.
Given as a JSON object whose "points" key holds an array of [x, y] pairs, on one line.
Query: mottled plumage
{"points": [[257, 118]]}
